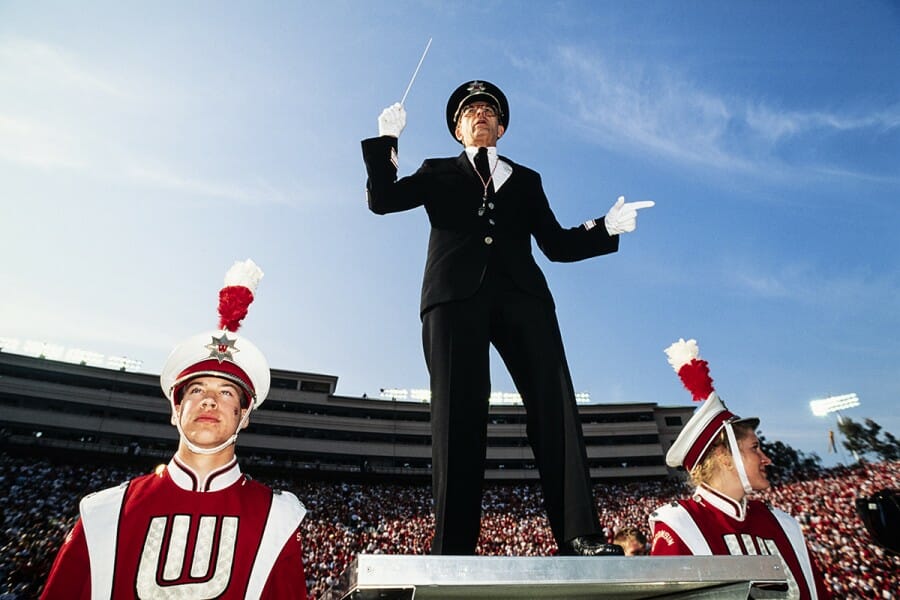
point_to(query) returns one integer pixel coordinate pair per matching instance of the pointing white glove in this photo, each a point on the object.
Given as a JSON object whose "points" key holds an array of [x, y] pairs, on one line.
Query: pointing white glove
{"points": [[392, 120], [622, 217]]}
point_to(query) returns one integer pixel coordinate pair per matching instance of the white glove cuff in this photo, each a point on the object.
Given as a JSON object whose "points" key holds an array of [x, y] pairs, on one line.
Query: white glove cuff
{"points": [[613, 228], [391, 129]]}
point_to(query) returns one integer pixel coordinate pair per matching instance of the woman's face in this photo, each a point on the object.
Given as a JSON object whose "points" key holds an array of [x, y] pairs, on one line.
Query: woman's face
{"points": [[755, 462]]}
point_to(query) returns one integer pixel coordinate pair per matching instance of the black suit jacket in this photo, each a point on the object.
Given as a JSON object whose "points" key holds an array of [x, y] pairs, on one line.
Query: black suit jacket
{"points": [[462, 243]]}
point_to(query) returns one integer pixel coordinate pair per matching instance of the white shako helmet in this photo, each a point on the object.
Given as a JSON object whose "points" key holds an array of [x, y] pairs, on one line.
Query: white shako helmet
{"points": [[221, 353], [712, 417]]}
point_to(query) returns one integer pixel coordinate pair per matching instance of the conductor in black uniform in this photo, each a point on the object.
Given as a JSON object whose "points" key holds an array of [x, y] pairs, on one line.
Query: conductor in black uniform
{"points": [[482, 286]]}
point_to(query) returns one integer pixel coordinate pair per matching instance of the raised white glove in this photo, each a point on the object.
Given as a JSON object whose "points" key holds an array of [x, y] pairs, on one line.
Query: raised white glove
{"points": [[622, 217], [392, 120]]}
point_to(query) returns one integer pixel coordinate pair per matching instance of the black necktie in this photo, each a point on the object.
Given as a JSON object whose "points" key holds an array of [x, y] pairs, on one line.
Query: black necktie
{"points": [[484, 170]]}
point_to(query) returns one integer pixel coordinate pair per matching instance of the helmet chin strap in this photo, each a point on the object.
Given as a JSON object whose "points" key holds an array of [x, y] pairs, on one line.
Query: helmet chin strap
{"points": [[207, 451], [737, 459]]}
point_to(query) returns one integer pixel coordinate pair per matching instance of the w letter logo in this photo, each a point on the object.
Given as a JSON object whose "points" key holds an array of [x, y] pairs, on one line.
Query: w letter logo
{"points": [[203, 575]]}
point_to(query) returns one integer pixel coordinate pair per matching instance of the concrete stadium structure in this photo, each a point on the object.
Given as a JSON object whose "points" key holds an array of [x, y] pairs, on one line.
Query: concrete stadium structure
{"points": [[49, 407]]}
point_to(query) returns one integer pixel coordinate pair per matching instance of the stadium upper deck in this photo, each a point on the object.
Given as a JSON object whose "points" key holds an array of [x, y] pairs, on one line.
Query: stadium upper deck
{"points": [[304, 425]]}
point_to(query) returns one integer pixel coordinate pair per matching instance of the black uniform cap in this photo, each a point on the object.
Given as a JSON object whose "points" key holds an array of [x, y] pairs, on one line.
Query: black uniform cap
{"points": [[470, 92]]}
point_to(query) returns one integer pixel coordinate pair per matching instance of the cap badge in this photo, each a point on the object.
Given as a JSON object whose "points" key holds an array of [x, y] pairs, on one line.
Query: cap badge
{"points": [[476, 86], [221, 348]]}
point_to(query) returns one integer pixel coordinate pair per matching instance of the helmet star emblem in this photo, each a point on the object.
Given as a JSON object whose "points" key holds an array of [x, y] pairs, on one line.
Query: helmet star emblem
{"points": [[221, 348]]}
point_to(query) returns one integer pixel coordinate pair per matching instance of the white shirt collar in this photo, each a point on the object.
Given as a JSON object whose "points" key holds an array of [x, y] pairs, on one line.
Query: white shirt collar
{"points": [[188, 479], [716, 499], [471, 151], [500, 168]]}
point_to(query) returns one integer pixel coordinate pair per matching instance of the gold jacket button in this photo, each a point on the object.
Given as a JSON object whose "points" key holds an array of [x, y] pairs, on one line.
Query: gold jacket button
{"points": [[488, 240]]}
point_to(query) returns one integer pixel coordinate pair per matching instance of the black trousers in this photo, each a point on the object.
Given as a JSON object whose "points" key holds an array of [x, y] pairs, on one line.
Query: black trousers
{"points": [[524, 330]]}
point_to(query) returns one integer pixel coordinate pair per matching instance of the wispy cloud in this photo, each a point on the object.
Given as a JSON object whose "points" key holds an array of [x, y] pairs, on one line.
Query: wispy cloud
{"points": [[34, 144], [64, 112], [164, 178], [661, 111], [45, 86], [810, 286], [31, 314], [648, 111], [773, 125], [36, 65], [54, 99]]}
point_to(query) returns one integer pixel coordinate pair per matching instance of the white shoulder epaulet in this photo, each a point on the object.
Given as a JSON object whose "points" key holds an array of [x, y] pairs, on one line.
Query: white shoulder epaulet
{"points": [[680, 521], [100, 520], [284, 518]]}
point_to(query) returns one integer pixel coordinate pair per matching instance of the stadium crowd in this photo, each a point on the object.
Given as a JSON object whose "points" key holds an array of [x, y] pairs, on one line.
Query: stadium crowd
{"points": [[40, 505]]}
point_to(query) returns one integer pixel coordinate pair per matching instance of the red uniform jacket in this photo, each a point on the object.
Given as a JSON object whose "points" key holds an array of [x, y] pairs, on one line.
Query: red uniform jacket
{"points": [[173, 535], [711, 523]]}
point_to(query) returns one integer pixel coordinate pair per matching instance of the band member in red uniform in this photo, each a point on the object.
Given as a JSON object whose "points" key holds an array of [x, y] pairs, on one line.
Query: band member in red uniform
{"points": [[197, 527], [723, 456]]}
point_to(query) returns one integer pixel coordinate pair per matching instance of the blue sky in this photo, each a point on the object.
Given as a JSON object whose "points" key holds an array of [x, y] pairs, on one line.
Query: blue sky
{"points": [[146, 146]]}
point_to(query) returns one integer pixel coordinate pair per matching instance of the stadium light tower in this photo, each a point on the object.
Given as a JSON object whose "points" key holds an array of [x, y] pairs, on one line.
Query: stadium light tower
{"points": [[834, 404], [123, 363], [826, 406]]}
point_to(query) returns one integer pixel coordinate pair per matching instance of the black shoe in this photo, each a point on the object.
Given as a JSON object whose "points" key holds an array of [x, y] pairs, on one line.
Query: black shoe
{"points": [[593, 545]]}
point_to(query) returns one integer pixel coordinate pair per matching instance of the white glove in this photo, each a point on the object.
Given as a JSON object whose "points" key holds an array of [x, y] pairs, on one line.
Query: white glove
{"points": [[622, 217], [392, 120]]}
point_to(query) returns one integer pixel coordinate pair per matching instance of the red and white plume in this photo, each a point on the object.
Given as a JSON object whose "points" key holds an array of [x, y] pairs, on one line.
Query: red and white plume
{"points": [[684, 356], [234, 299]]}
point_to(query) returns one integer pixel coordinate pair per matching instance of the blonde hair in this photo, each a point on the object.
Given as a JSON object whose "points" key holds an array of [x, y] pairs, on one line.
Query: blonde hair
{"points": [[704, 470], [630, 533]]}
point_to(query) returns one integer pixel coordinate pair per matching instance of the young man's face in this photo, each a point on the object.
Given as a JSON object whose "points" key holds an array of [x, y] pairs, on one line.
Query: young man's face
{"points": [[479, 125], [210, 410]]}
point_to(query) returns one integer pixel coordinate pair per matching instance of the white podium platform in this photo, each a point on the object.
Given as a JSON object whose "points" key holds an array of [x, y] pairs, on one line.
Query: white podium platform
{"points": [[398, 577]]}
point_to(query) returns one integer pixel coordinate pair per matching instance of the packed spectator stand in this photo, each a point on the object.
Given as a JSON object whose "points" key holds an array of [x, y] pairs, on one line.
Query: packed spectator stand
{"points": [[40, 505]]}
